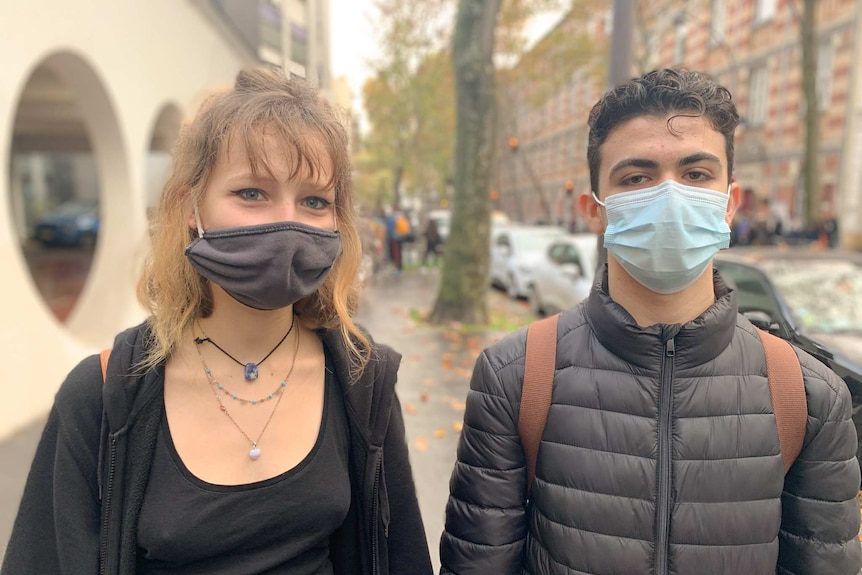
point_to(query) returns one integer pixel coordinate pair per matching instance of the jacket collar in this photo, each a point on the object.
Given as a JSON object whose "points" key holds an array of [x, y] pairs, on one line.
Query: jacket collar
{"points": [[696, 342], [369, 394], [128, 387]]}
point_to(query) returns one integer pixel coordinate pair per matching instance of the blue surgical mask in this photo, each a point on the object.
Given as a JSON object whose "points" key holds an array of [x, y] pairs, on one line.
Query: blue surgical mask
{"points": [[665, 236]]}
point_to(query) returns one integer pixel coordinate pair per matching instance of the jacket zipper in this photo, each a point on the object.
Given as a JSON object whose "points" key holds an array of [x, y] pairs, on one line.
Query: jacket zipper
{"points": [[375, 511], [664, 459], [106, 505]]}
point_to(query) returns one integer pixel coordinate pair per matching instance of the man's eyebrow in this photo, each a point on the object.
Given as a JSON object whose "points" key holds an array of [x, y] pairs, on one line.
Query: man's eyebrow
{"points": [[633, 163], [699, 157]]}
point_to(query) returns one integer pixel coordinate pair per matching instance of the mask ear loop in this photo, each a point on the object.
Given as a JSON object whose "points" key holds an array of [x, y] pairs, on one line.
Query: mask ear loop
{"points": [[596, 198], [198, 221]]}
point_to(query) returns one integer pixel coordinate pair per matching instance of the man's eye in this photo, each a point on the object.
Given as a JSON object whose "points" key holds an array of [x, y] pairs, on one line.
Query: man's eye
{"points": [[250, 194], [634, 180], [698, 176]]}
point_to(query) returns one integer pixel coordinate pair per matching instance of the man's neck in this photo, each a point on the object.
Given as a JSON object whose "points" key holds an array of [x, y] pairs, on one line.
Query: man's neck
{"points": [[650, 308]]}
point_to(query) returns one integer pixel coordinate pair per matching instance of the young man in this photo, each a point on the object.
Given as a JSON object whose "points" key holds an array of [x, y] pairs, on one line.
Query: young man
{"points": [[660, 454]]}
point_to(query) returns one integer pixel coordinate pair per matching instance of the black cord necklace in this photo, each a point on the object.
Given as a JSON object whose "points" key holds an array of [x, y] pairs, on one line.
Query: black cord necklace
{"points": [[250, 371]]}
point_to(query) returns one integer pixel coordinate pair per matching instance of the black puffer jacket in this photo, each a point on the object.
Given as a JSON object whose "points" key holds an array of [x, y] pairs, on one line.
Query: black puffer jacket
{"points": [[660, 456]]}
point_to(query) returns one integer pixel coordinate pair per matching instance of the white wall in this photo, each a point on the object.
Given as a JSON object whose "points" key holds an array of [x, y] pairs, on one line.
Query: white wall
{"points": [[127, 60]]}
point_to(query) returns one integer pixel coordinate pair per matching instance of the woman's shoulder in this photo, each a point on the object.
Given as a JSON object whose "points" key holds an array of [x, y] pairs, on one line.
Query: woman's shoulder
{"points": [[80, 395]]}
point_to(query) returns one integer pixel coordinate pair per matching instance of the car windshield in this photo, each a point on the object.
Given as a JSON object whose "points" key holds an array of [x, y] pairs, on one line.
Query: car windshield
{"points": [[534, 241], [824, 295]]}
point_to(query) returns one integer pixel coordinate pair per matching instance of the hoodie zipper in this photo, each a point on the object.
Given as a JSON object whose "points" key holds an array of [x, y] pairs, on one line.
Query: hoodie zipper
{"points": [[375, 512], [106, 504], [665, 461]]}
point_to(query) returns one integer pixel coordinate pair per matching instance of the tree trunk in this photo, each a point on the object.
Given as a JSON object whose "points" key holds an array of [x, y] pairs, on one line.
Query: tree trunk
{"points": [[397, 176], [810, 167], [464, 285]]}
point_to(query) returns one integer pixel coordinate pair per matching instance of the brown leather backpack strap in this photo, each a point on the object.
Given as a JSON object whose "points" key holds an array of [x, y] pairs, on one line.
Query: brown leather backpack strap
{"points": [[787, 390], [539, 368], [103, 357]]}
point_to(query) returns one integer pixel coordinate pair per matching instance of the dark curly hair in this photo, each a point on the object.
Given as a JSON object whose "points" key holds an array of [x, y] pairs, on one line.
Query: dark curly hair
{"points": [[662, 93]]}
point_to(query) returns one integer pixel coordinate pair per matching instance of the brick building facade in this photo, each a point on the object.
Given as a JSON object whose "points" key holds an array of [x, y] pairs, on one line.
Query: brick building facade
{"points": [[750, 46]]}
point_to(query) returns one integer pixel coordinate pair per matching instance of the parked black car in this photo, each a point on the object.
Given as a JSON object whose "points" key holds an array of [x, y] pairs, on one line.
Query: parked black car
{"points": [[812, 298]]}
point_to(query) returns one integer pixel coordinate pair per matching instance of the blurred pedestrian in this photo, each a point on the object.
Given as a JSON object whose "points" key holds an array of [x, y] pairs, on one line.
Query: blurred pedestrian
{"points": [[433, 243], [248, 426], [660, 451], [827, 229], [398, 231]]}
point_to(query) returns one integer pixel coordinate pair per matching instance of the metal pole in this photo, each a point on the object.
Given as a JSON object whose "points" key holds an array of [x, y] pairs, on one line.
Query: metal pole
{"points": [[619, 69]]}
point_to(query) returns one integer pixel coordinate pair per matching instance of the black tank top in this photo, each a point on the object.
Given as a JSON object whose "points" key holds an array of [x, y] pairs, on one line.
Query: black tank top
{"points": [[280, 525]]}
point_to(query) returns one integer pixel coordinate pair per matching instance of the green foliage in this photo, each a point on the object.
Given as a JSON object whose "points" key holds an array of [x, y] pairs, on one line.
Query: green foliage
{"points": [[410, 101]]}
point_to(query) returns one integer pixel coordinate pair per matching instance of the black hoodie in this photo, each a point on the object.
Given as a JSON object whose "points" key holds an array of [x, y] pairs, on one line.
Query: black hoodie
{"points": [[83, 497]]}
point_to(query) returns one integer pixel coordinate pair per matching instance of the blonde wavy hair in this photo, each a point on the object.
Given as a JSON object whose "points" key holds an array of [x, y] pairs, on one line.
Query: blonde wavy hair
{"points": [[261, 100]]}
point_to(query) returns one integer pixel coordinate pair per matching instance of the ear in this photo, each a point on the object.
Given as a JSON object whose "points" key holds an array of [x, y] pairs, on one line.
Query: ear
{"points": [[734, 192], [592, 213], [192, 204]]}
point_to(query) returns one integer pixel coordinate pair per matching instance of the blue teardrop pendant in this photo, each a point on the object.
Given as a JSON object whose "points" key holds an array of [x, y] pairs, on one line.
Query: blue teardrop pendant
{"points": [[251, 371]]}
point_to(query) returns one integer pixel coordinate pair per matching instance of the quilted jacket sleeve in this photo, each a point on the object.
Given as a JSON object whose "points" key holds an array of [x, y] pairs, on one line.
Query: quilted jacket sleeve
{"points": [[820, 512], [485, 517]]}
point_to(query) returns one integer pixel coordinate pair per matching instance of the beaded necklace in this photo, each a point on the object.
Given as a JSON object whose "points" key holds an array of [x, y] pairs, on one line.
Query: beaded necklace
{"points": [[250, 371], [254, 453]]}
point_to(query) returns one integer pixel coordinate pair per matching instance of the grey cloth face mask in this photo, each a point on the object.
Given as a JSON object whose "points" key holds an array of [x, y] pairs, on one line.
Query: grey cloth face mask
{"points": [[266, 266]]}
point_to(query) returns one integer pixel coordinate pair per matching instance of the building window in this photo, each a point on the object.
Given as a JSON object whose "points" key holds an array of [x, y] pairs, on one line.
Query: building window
{"points": [[718, 22], [764, 10], [825, 64], [679, 38], [758, 95]]}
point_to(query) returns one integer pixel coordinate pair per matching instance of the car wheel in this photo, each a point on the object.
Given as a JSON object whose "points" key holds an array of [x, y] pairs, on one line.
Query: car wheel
{"points": [[535, 300], [88, 240]]}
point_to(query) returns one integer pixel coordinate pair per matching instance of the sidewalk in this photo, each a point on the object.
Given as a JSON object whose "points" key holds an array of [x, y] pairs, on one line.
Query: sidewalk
{"points": [[433, 380], [434, 376]]}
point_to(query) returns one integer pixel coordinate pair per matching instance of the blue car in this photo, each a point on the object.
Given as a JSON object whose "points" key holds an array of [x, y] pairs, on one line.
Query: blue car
{"points": [[73, 224]]}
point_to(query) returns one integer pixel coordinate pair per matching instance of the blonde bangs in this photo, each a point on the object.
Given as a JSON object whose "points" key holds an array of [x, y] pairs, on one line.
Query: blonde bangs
{"points": [[262, 102]]}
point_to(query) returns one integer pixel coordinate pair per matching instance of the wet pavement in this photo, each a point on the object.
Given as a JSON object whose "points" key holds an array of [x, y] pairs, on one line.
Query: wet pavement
{"points": [[433, 382], [434, 376]]}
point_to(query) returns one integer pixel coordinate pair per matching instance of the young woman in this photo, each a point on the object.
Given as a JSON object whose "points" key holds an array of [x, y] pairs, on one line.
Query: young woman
{"points": [[249, 426]]}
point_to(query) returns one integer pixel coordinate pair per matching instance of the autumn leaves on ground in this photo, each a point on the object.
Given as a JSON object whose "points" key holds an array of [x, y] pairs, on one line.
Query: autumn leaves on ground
{"points": [[435, 371], [443, 362]]}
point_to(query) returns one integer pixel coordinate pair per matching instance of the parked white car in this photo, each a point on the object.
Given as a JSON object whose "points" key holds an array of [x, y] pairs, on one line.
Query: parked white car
{"points": [[515, 251], [564, 276]]}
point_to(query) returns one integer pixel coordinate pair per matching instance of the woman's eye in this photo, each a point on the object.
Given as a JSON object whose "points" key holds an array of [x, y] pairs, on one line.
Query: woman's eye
{"points": [[250, 194], [316, 203]]}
